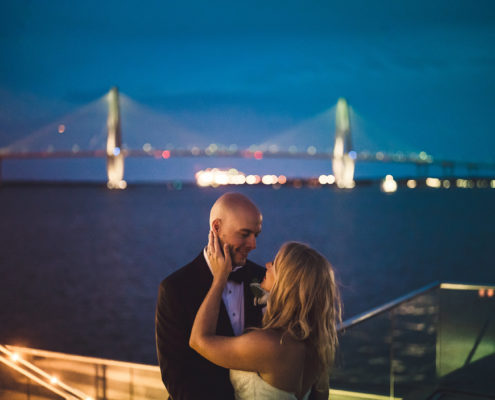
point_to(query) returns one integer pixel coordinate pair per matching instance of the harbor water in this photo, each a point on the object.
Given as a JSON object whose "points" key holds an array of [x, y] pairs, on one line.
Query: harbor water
{"points": [[80, 265]]}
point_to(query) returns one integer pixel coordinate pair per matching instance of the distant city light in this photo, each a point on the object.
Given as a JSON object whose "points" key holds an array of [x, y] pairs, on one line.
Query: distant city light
{"points": [[423, 156], [464, 183], [166, 154], [326, 179], [433, 182], [273, 148], [204, 178], [269, 179], [411, 184], [389, 185], [282, 179], [251, 180], [116, 151], [117, 185], [238, 180], [15, 357], [53, 380], [446, 184], [258, 155], [211, 149], [486, 292], [311, 150], [352, 154], [380, 156], [492, 184], [61, 128], [221, 178], [147, 147], [195, 151], [216, 177]]}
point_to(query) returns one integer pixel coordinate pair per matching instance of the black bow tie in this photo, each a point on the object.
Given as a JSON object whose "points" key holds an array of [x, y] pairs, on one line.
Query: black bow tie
{"points": [[239, 275]]}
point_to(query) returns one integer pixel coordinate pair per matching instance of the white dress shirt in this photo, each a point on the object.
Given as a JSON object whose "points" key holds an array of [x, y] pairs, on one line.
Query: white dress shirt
{"points": [[233, 298]]}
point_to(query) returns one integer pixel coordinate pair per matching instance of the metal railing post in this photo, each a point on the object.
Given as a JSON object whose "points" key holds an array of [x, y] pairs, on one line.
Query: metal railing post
{"points": [[391, 355]]}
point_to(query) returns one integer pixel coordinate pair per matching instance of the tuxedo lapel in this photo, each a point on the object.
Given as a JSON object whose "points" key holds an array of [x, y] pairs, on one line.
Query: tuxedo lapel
{"points": [[203, 284]]}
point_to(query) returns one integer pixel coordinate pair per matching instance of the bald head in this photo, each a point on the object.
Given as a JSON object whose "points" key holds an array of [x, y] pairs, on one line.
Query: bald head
{"points": [[237, 221], [232, 203]]}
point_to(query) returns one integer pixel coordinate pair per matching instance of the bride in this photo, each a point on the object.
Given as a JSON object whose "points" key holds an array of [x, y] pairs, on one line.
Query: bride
{"points": [[292, 353]]}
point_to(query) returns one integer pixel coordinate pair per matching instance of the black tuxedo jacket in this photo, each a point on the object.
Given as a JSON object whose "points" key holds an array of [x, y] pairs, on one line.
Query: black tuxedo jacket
{"points": [[186, 374]]}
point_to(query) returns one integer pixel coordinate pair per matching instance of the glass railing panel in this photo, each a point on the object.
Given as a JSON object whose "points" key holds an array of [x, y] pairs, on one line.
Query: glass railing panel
{"points": [[466, 331], [363, 361], [392, 352], [415, 344]]}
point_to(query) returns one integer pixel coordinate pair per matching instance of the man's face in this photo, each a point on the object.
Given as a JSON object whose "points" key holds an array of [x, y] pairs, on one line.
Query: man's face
{"points": [[239, 229]]}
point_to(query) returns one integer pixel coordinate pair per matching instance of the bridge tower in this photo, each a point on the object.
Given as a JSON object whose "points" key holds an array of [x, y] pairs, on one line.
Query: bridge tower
{"points": [[115, 156], [343, 162]]}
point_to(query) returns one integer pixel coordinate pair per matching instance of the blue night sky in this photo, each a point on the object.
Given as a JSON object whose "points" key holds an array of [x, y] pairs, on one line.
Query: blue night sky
{"points": [[419, 75]]}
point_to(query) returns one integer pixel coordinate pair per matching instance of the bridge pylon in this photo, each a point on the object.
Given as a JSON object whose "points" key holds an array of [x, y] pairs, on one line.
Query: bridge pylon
{"points": [[115, 156], [342, 161]]}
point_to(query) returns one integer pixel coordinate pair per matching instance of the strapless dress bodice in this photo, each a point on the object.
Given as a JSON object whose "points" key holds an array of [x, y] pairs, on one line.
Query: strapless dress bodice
{"points": [[250, 386]]}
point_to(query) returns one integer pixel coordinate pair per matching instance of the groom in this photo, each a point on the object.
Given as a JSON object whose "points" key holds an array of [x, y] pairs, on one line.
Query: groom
{"points": [[187, 375]]}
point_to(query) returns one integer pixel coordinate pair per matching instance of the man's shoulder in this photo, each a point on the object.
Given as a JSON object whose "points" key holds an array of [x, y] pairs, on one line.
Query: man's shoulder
{"points": [[184, 274]]}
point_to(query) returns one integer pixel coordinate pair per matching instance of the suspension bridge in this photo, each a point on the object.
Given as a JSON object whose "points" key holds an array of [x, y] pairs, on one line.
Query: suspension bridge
{"points": [[150, 134]]}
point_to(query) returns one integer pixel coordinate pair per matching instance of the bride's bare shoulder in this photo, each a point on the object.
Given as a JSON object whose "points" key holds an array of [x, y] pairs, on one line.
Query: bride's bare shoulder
{"points": [[277, 340]]}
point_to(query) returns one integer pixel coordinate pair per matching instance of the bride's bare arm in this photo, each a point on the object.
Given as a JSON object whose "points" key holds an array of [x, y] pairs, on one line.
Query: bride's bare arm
{"points": [[247, 352], [207, 316]]}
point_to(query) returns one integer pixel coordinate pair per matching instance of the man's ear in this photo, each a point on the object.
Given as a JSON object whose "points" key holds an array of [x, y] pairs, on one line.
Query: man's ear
{"points": [[215, 226]]}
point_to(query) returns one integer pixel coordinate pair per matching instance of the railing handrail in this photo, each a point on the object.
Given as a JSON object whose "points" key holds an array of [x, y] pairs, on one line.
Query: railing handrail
{"points": [[402, 299], [83, 359], [39, 376]]}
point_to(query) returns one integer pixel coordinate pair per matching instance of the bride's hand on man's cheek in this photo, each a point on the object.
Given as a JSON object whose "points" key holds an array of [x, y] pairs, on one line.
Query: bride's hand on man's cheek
{"points": [[220, 261]]}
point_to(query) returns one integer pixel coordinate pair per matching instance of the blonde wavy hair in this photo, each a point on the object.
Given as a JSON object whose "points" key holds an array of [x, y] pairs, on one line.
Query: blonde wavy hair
{"points": [[304, 301]]}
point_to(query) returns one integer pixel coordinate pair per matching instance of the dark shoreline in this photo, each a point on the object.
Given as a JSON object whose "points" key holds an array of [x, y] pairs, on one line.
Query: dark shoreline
{"points": [[479, 182]]}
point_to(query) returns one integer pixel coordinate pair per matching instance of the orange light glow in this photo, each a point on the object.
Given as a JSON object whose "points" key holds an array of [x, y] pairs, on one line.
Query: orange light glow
{"points": [[258, 155], [15, 357], [166, 154], [489, 292], [61, 128], [282, 179], [481, 292], [53, 380]]}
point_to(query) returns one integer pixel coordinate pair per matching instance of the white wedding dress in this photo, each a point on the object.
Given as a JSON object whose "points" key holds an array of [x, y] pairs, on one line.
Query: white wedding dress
{"points": [[250, 386]]}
